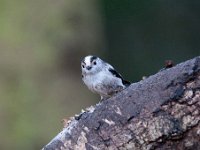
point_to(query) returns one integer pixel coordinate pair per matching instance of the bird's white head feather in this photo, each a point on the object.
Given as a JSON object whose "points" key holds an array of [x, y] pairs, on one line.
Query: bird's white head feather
{"points": [[91, 65]]}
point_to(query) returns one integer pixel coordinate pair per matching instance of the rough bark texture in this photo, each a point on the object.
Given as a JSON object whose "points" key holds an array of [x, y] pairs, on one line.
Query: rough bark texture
{"points": [[160, 112]]}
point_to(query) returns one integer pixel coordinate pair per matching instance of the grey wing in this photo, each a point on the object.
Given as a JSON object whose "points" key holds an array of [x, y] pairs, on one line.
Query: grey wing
{"points": [[116, 74]]}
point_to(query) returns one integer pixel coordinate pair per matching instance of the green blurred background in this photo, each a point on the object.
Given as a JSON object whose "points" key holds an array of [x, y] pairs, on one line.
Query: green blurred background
{"points": [[43, 42]]}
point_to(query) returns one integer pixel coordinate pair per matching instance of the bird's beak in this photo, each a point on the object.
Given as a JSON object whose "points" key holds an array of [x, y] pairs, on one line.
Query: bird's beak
{"points": [[88, 67]]}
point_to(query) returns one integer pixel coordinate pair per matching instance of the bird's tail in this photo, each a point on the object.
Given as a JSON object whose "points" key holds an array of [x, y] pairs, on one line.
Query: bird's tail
{"points": [[126, 83]]}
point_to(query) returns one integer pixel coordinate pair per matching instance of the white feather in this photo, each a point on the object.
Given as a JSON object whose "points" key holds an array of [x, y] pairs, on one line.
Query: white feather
{"points": [[99, 79]]}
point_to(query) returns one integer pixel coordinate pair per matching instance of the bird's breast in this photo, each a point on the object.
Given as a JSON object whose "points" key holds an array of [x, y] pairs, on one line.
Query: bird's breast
{"points": [[91, 81]]}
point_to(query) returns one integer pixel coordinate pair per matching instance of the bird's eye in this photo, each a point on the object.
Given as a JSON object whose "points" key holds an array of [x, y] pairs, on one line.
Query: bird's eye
{"points": [[83, 66], [94, 62]]}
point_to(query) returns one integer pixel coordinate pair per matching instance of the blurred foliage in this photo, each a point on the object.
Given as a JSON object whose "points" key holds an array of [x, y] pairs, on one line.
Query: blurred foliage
{"points": [[43, 42]]}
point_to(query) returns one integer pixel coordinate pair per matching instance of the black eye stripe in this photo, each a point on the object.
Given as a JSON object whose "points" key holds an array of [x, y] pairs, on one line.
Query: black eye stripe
{"points": [[83, 61], [93, 58]]}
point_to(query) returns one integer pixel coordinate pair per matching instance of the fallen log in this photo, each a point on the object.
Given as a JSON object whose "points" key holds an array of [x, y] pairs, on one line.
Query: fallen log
{"points": [[159, 112]]}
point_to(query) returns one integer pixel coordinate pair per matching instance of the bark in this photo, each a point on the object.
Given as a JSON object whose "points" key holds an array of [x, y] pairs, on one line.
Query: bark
{"points": [[160, 112]]}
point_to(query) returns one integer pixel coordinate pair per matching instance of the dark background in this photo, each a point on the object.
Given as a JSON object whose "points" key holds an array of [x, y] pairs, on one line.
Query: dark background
{"points": [[145, 33], [43, 42]]}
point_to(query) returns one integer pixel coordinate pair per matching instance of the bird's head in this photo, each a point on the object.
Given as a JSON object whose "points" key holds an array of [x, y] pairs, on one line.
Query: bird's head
{"points": [[91, 65]]}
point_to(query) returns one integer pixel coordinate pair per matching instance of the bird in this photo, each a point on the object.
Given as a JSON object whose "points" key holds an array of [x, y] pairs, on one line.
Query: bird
{"points": [[101, 78]]}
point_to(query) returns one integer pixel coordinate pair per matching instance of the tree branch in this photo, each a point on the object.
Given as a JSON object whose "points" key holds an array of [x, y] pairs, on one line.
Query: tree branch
{"points": [[160, 112]]}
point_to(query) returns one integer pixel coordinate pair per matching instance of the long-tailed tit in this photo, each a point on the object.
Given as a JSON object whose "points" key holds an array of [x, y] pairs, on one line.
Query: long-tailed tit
{"points": [[100, 77]]}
